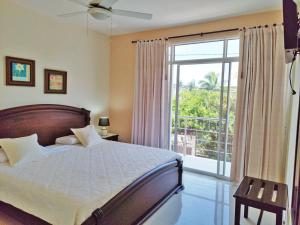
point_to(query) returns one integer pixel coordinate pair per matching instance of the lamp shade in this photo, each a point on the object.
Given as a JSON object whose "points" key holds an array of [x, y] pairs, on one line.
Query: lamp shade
{"points": [[103, 122]]}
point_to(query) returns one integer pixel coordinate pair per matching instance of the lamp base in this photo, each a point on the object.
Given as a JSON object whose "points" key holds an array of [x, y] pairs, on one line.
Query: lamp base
{"points": [[103, 131]]}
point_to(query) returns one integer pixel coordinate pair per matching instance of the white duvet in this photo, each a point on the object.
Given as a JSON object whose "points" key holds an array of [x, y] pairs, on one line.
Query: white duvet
{"points": [[67, 186]]}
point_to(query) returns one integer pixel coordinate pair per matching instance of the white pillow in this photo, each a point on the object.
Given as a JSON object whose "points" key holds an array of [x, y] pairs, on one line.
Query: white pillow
{"points": [[67, 140], [3, 157], [22, 150], [87, 136]]}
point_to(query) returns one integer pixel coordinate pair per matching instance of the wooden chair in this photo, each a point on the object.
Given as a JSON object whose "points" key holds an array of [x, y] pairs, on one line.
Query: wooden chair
{"points": [[260, 194]]}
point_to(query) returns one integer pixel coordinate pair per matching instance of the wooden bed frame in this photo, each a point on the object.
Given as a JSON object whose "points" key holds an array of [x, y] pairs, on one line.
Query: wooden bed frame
{"points": [[133, 205]]}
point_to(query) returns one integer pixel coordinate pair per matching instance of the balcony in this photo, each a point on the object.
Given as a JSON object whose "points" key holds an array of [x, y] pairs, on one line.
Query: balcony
{"points": [[203, 142]]}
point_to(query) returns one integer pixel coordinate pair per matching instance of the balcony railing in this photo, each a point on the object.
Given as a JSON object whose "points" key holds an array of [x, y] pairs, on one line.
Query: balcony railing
{"points": [[203, 137]]}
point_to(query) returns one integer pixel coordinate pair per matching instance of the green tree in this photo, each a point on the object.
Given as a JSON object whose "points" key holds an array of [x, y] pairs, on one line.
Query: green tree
{"points": [[210, 81], [203, 103]]}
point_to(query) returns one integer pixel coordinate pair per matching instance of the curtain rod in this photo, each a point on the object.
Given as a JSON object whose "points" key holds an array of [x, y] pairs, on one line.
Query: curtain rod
{"points": [[206, 33]]}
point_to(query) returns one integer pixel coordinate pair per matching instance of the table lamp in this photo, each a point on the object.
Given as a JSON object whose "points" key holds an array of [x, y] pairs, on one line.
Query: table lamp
{"points": [[103, 123]]}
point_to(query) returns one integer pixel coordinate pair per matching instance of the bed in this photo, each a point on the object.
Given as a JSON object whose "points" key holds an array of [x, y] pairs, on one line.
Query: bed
{"points": [[132, 202]]}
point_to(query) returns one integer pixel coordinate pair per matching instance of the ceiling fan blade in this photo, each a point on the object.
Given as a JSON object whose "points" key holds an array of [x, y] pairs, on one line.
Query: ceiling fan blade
{"points": [[72, 14], [139, 15], [79, 2], [107, 3]]}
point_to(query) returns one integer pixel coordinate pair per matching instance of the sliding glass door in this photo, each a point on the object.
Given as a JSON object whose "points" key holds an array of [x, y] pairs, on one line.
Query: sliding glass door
{"points": [[204, 83]]}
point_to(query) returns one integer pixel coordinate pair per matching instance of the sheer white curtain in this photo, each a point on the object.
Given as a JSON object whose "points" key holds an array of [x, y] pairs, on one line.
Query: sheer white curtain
{"points": [[151, 112], [259, 147]]}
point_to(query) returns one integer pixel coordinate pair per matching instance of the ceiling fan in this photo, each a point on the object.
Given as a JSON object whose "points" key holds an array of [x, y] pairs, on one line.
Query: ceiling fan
{"points": [[101, 10]]}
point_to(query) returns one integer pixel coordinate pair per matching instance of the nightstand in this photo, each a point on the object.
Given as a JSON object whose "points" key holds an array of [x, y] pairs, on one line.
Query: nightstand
{"points": [[111, 137]]}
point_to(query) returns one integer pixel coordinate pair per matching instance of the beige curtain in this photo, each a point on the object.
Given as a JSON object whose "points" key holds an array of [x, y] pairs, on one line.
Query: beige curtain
{"points": [[259, 147], [151, 120]]}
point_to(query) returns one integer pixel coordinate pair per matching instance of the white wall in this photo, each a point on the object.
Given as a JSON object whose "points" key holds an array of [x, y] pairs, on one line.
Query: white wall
{"points": [[293, 131], [54, 45]]}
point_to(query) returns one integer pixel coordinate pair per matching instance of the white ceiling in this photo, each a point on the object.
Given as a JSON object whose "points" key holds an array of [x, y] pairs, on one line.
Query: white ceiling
{"points": [[166, 13]]}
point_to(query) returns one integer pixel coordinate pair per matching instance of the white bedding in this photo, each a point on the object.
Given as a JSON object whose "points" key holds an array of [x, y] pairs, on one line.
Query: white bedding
{"points": [[67, 186]]}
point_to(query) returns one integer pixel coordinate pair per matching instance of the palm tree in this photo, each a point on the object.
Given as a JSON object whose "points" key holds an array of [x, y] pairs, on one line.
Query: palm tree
{"points": [[210, 81], [191, 85]]}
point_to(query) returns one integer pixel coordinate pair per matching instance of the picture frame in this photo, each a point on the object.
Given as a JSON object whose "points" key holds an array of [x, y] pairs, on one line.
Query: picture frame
{"points": [[55, 82], [20, 71]]}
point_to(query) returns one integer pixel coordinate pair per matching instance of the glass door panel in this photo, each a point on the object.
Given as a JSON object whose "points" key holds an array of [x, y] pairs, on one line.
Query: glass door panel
{"points": [[203, 108], [196, 115]]}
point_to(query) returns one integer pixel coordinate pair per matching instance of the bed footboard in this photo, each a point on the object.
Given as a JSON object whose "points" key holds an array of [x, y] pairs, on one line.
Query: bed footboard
{"points": [[136, 203]]}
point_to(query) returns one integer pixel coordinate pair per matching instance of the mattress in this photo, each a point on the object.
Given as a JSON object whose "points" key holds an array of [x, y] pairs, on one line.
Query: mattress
{"points": [[67, 186]]}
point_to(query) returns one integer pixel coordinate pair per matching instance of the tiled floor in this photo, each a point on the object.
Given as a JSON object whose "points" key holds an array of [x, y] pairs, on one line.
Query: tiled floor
{"points": [[205, 201]]}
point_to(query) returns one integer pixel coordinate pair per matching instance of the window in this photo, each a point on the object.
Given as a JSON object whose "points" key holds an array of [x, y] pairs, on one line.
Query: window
{"points": [[205, 50]]}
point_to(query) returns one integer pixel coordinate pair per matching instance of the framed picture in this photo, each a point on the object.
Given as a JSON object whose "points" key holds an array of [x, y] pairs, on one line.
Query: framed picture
{"points": [[55, 82], [20, 72]]}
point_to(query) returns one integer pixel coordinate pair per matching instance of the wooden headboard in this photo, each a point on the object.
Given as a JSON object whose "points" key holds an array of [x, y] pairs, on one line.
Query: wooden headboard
{"points": [[48, 121]]}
